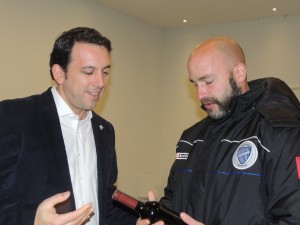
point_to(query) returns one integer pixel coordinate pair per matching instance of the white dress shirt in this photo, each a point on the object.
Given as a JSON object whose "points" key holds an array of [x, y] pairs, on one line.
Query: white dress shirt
{"points": [[81, 152]]}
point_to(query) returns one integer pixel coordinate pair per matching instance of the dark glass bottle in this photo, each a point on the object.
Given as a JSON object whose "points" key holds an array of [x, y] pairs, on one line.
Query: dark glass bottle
{"points": [[151, 210]]}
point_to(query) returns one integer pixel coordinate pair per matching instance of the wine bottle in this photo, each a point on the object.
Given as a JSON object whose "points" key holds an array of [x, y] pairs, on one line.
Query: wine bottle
{"points": [[150, 210]]}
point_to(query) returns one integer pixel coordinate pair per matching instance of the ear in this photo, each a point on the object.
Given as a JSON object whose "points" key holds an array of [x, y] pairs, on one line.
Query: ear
{"points": [[240, 73], [58, 73]]}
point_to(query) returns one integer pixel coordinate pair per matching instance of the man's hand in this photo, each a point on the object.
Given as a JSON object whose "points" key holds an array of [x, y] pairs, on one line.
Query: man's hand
{"points": [[46, 213], [185, 217], [151, 197], [189, 220]]}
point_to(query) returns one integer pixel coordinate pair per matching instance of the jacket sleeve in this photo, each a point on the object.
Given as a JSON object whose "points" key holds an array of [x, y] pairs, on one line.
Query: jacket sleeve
{"points": [[10, 141], [167, 199], [8, 150], [282, 177]]}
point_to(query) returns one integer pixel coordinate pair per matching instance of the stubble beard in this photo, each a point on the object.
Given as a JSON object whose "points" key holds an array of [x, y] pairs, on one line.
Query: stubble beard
{"points": [[223, 105]]}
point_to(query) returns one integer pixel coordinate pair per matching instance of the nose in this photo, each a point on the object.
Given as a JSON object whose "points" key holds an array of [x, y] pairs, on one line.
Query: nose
{"points": [[201, 92], [100, 80]]}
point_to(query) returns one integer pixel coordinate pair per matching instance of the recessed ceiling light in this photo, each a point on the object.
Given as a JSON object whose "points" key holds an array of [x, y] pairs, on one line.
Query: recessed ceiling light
{"points": [[184, 20], [274, 9]]}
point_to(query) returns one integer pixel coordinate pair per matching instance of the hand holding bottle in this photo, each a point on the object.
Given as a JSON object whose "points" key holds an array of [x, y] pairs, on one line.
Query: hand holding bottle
{"points": [[151, 198], [150, 210], [185, 217]]}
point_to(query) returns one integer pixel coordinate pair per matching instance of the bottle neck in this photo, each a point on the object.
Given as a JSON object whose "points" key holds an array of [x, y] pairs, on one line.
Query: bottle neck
{"points": [[126, 200]]}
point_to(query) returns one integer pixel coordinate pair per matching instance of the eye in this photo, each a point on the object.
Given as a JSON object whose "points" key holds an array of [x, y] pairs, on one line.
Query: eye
{"points": [[193, 83], [88, 72], [105, 72], [208, 82]]}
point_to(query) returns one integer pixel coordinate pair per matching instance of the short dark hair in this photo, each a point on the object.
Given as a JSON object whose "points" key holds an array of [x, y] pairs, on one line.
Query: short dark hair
{"points": [[62, 49]]}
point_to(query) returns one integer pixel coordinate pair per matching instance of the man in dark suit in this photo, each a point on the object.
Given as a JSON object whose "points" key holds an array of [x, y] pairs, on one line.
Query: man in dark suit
{"points": [[57, 157]]}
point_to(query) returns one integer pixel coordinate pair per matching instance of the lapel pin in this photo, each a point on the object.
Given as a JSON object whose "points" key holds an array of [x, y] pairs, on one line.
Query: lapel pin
{"points": [[101, 127]]}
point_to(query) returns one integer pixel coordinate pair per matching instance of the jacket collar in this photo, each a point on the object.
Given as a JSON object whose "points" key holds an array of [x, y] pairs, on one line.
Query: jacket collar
{"points": [[272, 98]]}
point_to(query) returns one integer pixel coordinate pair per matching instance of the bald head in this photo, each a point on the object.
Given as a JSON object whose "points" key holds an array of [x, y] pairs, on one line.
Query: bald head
{"points": [[224, 47], [219, 56]]}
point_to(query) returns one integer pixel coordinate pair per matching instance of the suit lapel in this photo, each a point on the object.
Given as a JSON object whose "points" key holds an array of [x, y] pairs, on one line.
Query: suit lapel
{"points": [[100, 143], [101, 149], [49, 117]]}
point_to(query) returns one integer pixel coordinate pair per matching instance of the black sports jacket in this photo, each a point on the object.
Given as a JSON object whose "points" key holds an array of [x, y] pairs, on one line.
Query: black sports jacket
{"points": [[242, 170]]}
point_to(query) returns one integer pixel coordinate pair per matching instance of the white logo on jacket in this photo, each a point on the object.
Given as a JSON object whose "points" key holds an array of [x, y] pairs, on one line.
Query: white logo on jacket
{"points": [[245, 155], [182, 155]]}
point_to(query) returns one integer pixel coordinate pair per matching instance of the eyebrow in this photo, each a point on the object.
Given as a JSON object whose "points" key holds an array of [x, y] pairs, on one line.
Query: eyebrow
{"points": [[93, 67], [201, 78], [107, 67]]}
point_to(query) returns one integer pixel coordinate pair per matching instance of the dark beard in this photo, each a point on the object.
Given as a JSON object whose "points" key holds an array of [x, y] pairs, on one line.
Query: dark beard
{"points": [[224, 106]]}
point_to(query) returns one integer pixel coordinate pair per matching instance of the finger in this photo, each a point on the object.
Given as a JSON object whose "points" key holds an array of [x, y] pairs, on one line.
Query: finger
{"points": [[77, 216], [55, 199], [189, 220], [186, 218], [87, 216], [151, 196], [142, 222]]}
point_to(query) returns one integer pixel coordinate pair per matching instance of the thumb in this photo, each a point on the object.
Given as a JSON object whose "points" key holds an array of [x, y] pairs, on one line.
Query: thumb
{"points": [[189, 220], [151, 196]]}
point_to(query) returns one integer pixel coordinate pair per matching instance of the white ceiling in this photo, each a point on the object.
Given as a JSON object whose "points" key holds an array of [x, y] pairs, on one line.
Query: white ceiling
{"points": [[168, 14]]}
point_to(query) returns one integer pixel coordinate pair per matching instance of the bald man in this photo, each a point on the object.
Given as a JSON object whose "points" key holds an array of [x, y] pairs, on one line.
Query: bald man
{"points": [[241, 164]]}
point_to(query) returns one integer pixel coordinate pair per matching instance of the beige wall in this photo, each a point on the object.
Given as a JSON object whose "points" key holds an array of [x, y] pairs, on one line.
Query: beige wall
{"points": [[149, 99]]}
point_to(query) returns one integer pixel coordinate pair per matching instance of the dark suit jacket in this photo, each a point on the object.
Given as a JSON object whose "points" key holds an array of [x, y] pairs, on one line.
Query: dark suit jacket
{"points": [[34, 166]]}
